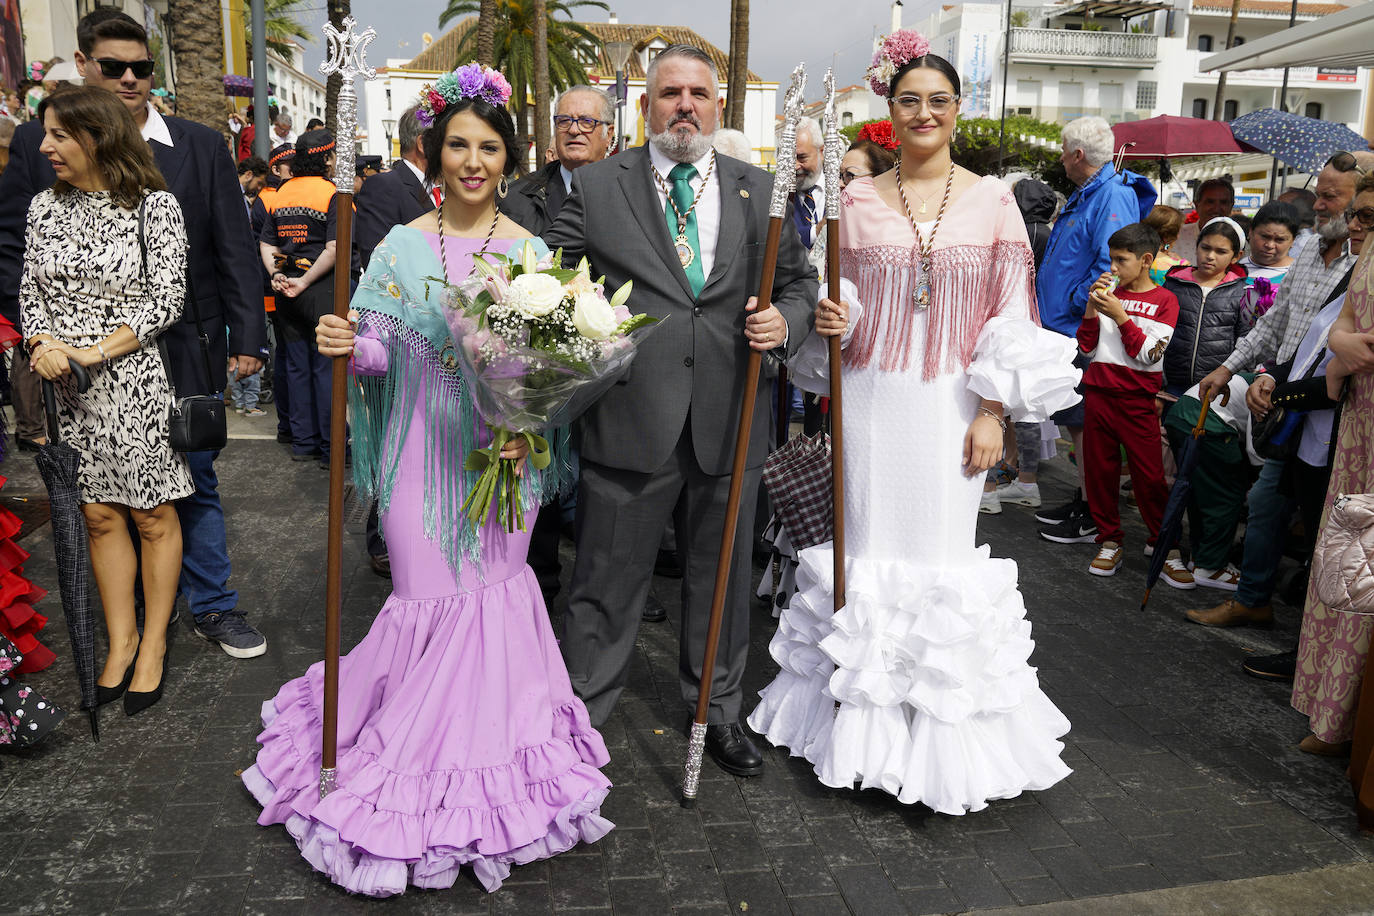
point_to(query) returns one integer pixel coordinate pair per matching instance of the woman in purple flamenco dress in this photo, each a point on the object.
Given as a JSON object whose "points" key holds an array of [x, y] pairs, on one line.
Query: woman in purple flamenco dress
{"points": [[460, 739]]}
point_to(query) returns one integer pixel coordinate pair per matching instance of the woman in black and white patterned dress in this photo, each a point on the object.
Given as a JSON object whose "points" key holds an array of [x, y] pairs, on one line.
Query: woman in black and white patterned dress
{"points": [[87, 295]]}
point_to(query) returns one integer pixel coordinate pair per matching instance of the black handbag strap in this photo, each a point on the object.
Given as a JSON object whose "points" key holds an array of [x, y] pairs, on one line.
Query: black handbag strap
{"points": [[190, 301]]}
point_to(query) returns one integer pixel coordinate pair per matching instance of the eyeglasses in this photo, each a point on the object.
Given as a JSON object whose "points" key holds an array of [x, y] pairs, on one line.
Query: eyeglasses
{"points": [[938, 104], [1364, 216], [113, 69], [849, 175], [1345, 162], [565, 123]]}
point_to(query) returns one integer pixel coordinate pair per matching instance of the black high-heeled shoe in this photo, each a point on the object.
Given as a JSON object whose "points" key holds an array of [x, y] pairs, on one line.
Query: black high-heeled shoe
{"points": [[135, 701], [105, 695]]}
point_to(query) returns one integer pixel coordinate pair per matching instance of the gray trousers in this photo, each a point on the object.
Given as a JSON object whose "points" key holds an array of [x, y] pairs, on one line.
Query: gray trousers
{"points": [[620, 520]]}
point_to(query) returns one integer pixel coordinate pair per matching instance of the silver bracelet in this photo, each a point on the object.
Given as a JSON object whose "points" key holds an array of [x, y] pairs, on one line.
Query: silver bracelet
{"points": [[988, 413], [101, 350]]}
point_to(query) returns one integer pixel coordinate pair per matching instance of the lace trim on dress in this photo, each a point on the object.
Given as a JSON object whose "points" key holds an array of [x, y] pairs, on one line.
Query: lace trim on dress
{"points": [[969, 285]]}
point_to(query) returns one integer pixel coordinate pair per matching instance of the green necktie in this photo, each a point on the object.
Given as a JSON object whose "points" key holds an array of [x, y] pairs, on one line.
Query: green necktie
{"points": [[681, 176]]}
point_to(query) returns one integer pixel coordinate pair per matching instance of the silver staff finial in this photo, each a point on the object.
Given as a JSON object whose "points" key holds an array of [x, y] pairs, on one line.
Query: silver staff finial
{"points": [[834, 149], [785, 179], [348, 58]]}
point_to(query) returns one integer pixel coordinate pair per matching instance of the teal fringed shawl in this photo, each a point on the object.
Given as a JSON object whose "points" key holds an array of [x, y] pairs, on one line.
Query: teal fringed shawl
{"points": [[399, 300]]}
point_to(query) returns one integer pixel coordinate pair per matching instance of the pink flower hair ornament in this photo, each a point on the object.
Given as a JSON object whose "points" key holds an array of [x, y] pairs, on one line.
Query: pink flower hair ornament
{"points": [[894, 52], [468, 81]]}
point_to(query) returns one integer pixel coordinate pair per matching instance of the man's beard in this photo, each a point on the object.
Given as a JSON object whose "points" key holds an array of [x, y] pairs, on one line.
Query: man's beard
{"points": [[1332, 229], [807, 180], [680, 146]]}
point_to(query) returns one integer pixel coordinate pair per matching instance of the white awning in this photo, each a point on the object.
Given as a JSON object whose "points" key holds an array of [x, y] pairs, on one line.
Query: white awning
{"points": [[1344, 39]]}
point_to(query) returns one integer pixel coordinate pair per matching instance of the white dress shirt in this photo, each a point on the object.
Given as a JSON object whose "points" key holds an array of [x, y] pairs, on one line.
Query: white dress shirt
{"points": [[708, 207], [155, 128]]}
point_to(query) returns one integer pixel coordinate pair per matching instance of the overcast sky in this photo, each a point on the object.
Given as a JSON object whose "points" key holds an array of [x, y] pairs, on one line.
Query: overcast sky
{"points": [[822, 33]]}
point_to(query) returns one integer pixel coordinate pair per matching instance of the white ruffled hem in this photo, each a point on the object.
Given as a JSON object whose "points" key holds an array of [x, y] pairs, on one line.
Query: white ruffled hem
{"points": [[919, 686], [1026, 368]]}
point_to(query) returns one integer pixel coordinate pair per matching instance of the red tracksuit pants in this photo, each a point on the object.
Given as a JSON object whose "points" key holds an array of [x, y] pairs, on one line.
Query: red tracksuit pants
{"points": [[1113, 421]]}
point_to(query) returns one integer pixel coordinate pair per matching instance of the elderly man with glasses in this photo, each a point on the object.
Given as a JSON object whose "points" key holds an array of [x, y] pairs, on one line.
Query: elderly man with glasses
{"points": [[1315, 276]]}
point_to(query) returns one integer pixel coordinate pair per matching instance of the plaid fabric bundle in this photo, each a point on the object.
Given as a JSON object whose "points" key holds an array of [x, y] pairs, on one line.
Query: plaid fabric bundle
{"points": [[798, 480]]}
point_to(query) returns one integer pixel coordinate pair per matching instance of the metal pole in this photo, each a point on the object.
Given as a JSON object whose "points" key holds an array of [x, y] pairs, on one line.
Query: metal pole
{"points": [[348, 58], [1006, 65], [262, 126], [834, 152]]}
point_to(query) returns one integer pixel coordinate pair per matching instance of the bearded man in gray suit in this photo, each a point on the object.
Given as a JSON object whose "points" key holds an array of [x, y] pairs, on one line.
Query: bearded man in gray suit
{"points": [[689, 228]]}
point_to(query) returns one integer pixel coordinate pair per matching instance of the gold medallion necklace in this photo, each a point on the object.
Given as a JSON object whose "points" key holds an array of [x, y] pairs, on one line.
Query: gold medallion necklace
{"points": [[685, 253]]}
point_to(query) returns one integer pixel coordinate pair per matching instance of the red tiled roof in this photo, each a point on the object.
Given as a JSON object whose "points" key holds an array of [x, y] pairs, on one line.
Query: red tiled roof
{"points": [[443, 52], [1270, 6]]}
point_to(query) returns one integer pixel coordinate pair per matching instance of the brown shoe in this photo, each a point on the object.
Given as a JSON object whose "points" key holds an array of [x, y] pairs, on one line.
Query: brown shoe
{"points": [[1231, 613], [1314, 745]]}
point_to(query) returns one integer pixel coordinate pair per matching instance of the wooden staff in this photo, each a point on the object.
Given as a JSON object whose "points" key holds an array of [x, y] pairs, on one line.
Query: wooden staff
{"points": [[347, 57], [783, 181], [834, 152]]}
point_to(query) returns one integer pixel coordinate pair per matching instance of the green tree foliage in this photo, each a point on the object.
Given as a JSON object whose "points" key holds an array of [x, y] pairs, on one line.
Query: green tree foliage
{"points": [[283, 25]]}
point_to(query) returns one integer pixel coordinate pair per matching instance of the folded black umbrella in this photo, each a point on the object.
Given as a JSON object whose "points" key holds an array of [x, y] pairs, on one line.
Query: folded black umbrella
{"points": [[58, 463]]}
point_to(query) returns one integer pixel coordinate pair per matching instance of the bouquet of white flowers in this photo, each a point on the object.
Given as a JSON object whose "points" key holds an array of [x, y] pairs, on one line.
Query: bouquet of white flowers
{"points": [[539, 343]]}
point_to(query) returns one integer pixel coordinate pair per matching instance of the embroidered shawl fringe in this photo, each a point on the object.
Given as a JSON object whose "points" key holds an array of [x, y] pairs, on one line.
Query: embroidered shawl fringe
{"points": [[969, 284]]}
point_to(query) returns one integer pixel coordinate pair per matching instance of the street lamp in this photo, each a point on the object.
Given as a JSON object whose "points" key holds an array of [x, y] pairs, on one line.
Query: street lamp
{"points": [[388, 127], [618, 52]]}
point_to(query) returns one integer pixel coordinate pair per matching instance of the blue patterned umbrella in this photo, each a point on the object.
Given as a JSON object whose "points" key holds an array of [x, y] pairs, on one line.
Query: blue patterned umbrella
{"points": [[1303, 143]]}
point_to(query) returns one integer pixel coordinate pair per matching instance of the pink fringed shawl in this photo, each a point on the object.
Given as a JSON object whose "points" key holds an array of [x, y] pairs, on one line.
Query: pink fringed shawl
{"points": [[982, 266]]}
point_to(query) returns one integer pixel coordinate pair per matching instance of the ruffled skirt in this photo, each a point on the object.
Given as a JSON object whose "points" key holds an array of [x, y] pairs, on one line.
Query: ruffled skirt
{"points": [[460, 743], [919, 686]]}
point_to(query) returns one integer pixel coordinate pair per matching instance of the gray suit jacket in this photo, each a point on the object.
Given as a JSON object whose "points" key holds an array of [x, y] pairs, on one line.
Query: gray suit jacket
{"points": [[693, 366]]}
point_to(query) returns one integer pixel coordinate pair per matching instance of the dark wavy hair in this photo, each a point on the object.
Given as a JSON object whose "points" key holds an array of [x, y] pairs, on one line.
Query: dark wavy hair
{"points": [[498, 119], [929, 62], [106, 131], [316, 163], [879, 159], [1276, 211]]}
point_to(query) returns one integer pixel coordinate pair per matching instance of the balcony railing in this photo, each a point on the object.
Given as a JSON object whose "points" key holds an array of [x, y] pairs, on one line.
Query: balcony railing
{"points": [[1122, 48]]}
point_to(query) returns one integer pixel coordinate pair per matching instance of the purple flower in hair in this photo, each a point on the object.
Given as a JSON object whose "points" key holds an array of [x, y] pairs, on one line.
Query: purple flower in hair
{"points": [[471, 80]]}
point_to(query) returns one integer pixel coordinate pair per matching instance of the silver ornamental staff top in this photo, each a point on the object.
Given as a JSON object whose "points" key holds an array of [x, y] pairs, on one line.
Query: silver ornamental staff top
{"points": [[834, 149], [785, 179], [348, 58]]}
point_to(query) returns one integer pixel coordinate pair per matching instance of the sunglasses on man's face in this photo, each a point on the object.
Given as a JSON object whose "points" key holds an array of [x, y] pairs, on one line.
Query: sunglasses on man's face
{"points": [[113, 69]]}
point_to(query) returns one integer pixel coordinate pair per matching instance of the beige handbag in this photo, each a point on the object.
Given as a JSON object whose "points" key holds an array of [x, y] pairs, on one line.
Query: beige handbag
{"points": [[1343, 562]]}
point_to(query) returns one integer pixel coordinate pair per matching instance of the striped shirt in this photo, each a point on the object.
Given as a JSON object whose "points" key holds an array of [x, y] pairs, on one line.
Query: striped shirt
{"points": [[1305, 289]]}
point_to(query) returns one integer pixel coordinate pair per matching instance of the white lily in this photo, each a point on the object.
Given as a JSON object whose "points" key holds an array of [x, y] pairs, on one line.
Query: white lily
{"points": [[622, 294]]}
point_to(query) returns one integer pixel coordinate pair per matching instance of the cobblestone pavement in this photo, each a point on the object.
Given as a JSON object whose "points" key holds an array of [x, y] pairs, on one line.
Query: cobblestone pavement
{"points": [[1185, 770]]}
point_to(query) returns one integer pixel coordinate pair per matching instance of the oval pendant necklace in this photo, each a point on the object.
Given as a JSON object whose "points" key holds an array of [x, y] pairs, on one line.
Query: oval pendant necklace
{"points": [[920, 296]]}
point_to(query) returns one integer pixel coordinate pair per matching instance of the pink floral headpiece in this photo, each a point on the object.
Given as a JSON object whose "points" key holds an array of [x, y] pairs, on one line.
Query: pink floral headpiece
{"points": [[468, 81], [895, 52]]}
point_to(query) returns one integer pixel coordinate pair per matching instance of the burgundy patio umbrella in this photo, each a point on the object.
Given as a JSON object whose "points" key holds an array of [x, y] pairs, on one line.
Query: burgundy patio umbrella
{"points": [[1168, 136]]}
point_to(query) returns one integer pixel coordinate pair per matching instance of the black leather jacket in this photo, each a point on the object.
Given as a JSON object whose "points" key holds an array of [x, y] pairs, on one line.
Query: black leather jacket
{"points": [[1206, 331]]}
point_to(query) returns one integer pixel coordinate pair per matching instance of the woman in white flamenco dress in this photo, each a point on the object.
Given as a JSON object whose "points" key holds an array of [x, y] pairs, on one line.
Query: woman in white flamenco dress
{"points": [[921, 684]]}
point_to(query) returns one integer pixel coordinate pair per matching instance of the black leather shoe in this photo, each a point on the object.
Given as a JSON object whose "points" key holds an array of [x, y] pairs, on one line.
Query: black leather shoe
{"points": [[136, 701], [284, 438], [654, 611], [1278, 667], [105, 695], [381, 564], [732, 750], [26, 445]]}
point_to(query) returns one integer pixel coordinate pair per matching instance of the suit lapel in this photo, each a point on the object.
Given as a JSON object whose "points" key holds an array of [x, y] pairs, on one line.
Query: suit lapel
{"points": [[170, 159], [417, 188], [734, 215], [638, 187]]}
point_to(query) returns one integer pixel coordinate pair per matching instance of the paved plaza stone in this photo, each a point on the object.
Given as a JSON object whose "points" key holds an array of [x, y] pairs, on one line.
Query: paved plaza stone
{"points": [[1185, 772]]}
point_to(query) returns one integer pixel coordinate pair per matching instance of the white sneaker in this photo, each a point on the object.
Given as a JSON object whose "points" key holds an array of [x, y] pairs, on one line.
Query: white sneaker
{"points": [[990, 504], [1020, 494], [1177, 573], [1225, 579]]}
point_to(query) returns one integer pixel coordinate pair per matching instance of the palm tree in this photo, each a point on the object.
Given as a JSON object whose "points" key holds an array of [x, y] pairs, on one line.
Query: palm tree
{"points": [[338, 9], [196, 37], [282, 26], [541, 80], [1219, 105], [737, 79], [572, 47], [486, 32]]}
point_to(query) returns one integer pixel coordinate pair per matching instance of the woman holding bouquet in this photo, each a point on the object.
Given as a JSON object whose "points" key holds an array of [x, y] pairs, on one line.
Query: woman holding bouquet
{"points": [[928, 657], [460, 740]]}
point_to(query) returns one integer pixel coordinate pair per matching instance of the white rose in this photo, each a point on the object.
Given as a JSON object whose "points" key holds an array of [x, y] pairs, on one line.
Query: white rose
{"points": [[593, 316], [534, 295]]}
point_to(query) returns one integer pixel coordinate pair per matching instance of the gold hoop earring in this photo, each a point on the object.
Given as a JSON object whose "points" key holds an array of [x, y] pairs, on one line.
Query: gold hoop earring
{"points": [[502, 187]]}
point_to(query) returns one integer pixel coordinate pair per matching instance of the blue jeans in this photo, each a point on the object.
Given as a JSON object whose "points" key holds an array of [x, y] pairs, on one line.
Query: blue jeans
{"points": [[204, 549], [244, 393], [281, 393], [1266, 533], [310, 378]]}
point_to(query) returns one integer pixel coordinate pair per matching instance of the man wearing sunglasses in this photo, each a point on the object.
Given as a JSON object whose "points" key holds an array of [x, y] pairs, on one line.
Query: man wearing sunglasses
{"points": [[1317, 270], [112, 53]]}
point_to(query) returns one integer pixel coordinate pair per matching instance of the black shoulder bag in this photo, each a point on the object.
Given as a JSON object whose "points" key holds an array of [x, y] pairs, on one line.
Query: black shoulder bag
{"points": [[197, 423]]}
